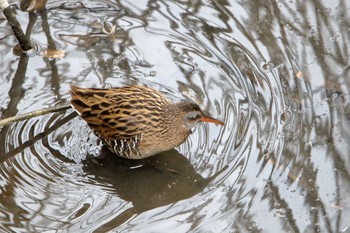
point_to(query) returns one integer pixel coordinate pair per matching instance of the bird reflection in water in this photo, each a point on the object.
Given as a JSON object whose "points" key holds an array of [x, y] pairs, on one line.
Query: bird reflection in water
{"points": [[156, 181]]}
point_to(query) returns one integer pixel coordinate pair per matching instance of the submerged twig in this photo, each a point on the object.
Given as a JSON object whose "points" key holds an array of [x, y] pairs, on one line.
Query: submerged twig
{"points": [[30, 142], [32, 114], [16, 27]]}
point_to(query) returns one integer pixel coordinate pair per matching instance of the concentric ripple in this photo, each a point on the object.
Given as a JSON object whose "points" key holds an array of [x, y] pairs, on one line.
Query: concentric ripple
{"points": [[275, 73]]}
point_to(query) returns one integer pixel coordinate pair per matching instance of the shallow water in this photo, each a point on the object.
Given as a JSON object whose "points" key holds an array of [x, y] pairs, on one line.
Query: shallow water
{"points": [[277, 73]]}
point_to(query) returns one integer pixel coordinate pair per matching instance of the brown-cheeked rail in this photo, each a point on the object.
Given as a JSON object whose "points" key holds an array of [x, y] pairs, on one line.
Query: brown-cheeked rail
{"points": [[136, 122]]}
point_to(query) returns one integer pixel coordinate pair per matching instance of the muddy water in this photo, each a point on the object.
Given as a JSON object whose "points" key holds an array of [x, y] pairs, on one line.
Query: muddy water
{"points": [[277, 73]]}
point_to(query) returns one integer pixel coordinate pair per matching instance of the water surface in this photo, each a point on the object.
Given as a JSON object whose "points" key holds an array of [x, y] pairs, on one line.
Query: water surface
{"points": [[277, 73]]}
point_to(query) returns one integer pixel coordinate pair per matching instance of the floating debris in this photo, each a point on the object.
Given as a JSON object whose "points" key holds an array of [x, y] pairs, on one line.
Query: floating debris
{"points": [[53, 54]]}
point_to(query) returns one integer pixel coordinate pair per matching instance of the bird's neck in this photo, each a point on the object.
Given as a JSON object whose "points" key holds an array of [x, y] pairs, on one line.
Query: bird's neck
{"points": [[173, 119]]}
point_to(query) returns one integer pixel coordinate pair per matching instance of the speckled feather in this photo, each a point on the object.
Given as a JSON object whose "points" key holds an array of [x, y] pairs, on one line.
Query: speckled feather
{"points": [[136, 121]]}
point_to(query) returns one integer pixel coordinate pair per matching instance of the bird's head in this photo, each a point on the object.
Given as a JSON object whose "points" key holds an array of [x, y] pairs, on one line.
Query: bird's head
{"points": [[189, 114]]}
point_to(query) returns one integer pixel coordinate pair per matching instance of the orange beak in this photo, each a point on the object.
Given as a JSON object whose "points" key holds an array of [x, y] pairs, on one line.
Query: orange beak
{"points": [[209, 119]]}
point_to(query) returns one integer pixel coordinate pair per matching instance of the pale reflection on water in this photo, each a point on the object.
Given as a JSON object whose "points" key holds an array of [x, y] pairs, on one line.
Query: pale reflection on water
{"points": [[276, 73]]}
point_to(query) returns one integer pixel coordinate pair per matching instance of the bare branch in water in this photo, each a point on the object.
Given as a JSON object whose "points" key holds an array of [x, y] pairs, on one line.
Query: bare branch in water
{"points": [[36, 113], [16, 27]]}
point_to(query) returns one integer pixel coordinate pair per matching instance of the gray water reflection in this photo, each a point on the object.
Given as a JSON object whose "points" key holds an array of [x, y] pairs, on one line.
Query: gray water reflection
{"points": [[276, 72], [159, 181]]}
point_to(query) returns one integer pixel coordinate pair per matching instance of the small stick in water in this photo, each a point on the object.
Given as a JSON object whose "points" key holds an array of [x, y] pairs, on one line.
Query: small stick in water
{"points": [[36, 113], [16, 27]]}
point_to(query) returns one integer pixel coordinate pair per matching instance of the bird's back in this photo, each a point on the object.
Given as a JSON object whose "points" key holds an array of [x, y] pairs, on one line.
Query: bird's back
{"points": [[122, 117]]}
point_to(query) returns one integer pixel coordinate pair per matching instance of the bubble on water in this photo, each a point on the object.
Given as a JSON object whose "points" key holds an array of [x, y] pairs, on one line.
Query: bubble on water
{"points": [[152, 73], [266, 66], [285, 116]]}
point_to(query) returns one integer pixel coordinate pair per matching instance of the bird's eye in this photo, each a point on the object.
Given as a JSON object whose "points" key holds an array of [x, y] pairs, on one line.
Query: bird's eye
{"points": [[194, 118]]}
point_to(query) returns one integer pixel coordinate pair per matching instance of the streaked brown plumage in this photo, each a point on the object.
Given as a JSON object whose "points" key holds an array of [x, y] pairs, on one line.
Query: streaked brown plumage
{"points": [[136, 122]]}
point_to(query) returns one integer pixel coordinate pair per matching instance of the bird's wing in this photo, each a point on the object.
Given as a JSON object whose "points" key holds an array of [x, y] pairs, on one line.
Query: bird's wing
{"points": [[117, 113]]}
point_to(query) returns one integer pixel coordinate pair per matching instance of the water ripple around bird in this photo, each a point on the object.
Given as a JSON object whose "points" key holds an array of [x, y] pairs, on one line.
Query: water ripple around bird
{"points": [[275, 74]]}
